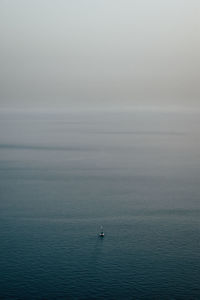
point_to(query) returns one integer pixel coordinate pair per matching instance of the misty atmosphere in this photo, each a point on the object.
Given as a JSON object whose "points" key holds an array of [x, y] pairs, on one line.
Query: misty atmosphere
{"points": [[63, 54], [99, 149]]}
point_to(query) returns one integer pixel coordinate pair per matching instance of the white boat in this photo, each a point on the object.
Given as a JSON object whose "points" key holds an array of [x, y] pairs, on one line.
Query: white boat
{"points": [[101, 234]]}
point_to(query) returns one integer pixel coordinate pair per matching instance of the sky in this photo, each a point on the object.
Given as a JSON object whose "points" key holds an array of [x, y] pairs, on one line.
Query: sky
{"points": [[99, 53]]}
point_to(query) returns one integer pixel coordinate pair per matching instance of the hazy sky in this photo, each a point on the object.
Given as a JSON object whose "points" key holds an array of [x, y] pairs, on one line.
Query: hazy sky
{"points": [[87, 53]]}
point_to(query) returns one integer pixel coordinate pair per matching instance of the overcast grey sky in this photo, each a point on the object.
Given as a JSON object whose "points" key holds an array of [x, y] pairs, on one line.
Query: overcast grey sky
{"points": [[91, 53]]}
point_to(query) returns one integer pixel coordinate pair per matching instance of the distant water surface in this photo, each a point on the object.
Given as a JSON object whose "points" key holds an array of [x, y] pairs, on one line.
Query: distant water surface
{"points": [[62, 175]]}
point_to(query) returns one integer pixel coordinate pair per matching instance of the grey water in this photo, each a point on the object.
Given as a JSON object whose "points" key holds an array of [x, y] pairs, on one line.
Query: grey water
{"points": [[64, 174]]}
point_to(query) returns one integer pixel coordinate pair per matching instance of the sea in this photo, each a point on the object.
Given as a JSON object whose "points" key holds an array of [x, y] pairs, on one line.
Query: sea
{"points": [[64, 174]]}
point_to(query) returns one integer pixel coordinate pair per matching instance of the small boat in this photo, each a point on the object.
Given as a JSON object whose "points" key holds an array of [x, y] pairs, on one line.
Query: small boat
{"points": [[101, 234]]}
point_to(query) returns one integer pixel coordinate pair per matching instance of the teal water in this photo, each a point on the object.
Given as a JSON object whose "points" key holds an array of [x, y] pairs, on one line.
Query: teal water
{"points": [[62, 175]]}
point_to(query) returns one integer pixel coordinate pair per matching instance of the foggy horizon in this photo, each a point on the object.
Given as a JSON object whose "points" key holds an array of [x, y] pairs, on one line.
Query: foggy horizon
{"points": [[100, 126]]}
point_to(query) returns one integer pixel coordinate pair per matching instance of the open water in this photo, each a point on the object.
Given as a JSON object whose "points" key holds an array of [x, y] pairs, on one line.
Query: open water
{"points": [[62, 175]]}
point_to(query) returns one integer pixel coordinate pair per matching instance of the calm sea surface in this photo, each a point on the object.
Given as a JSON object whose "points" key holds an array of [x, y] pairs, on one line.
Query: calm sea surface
{"points": [[63, 175]]}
